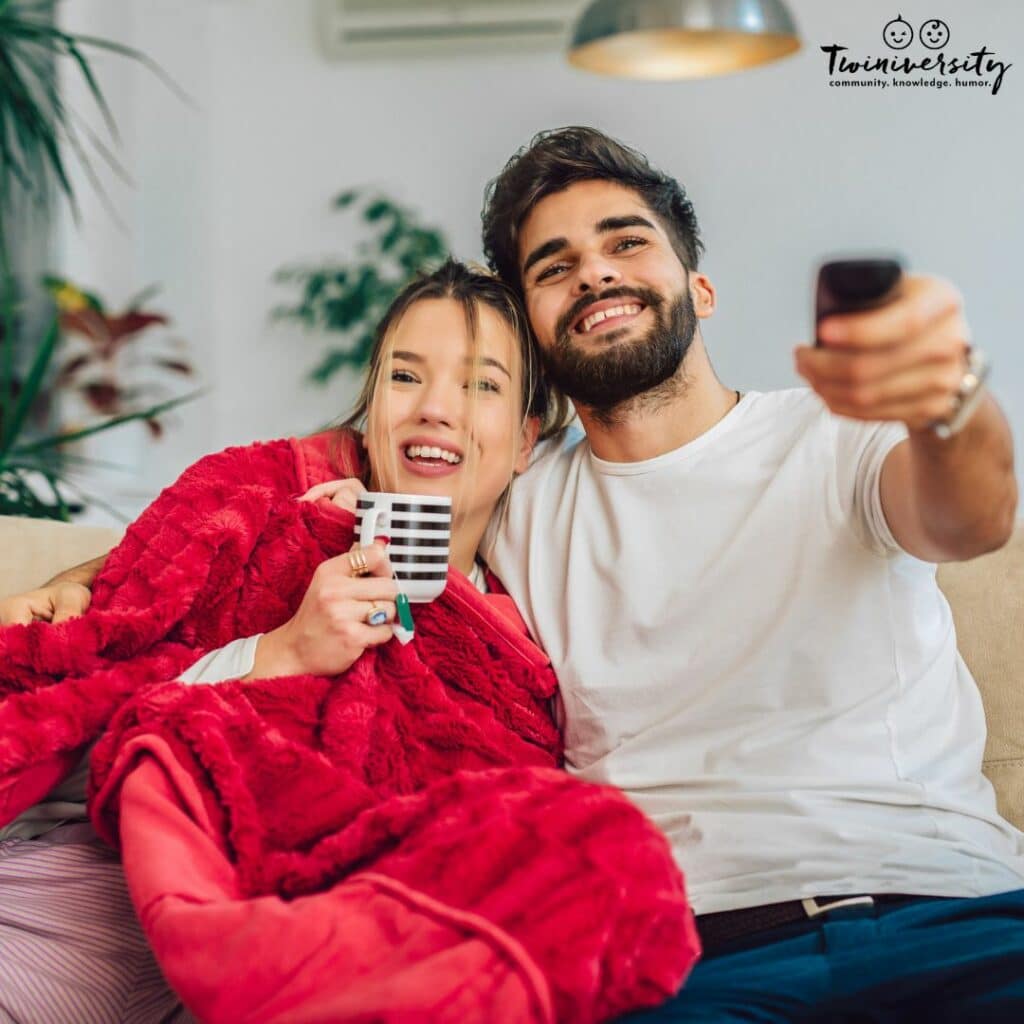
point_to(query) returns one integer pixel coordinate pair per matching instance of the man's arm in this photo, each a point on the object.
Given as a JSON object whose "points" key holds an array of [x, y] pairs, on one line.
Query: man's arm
{"points": [[955, 499], [68, 594], [944, 500]]}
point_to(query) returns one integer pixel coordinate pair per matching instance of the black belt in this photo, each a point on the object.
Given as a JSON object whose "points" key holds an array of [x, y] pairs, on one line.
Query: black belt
{"points": [[727, 926]]}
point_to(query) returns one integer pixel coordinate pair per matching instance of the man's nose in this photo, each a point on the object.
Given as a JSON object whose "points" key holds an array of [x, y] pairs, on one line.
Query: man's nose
{"points": [[595, 272]]}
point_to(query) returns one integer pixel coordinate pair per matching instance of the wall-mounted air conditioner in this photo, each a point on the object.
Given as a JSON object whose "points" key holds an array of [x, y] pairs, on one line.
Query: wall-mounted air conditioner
{"points": [[389, 28]]}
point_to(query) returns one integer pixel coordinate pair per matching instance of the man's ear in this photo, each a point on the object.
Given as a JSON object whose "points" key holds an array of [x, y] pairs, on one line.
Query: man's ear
{"points": [[531, 431], [704, 297]]}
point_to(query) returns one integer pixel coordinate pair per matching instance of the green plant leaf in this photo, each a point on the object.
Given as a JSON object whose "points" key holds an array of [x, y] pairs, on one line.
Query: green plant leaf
{"points": [[115, 421], [29, 390]]}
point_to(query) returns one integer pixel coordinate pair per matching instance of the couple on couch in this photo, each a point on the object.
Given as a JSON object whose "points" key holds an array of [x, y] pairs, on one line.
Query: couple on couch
{"points": [[735, 592]]}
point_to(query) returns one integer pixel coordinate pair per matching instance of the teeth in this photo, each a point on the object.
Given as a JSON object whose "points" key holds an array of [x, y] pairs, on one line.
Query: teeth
{"points": [[423, 451], [595, 318]]}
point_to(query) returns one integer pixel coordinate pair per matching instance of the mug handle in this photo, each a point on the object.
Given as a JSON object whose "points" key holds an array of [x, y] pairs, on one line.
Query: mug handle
{"points": [[368, 526]]}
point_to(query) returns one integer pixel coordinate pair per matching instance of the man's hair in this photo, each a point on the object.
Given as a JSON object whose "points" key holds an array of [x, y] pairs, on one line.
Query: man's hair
{"points": [[556, 159]]}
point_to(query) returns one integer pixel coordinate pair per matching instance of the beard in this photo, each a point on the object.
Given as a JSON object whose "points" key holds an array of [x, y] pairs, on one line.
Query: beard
{"points": [[618, 372]]}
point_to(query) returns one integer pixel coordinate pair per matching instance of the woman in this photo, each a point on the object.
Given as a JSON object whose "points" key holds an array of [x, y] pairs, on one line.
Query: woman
{"points": [[369, 830]]}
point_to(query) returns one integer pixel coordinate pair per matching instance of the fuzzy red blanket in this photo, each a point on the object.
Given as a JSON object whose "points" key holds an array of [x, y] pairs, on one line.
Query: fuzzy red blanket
{"points": [[426, 776]]}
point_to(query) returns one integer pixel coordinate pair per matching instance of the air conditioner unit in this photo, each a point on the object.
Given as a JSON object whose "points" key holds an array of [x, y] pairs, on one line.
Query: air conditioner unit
{"points": [[389, 28]]}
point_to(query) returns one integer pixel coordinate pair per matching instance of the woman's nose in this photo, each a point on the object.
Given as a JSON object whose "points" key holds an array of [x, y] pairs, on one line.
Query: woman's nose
{"points": [[441, 404]]}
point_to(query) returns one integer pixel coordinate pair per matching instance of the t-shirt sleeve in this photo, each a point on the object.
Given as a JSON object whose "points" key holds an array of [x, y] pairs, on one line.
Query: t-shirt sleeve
{"points": [[232, 661], [861, 450]]}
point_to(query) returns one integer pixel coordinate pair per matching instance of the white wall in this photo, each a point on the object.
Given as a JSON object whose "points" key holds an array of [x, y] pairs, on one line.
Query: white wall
{"points": [[782, 169]]}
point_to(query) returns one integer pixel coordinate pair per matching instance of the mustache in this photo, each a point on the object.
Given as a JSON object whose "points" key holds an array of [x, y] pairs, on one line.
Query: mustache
{"points": [[647, 296]]}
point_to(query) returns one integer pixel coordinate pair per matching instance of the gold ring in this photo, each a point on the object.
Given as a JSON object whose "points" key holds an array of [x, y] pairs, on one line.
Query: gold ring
{"points": [[377, 616], [357, 561]]}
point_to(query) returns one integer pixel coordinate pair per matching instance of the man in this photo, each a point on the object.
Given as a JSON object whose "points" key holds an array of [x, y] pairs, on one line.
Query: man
{"points": [[738, 597]]}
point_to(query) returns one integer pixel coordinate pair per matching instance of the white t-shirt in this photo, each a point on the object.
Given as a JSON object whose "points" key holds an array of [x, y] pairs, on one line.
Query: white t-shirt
{"points": [[743, 650]]}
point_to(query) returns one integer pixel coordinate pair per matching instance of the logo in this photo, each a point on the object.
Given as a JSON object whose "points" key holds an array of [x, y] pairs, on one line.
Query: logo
{"points": [[979, 70]]}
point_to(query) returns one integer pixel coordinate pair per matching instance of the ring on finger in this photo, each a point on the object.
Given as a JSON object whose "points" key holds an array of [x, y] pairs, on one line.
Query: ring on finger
{"points": [[376, 616], [357, 562]]}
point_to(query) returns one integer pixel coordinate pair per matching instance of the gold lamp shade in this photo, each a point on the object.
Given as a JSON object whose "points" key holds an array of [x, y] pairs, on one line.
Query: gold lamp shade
{"points": [[667, 39]]}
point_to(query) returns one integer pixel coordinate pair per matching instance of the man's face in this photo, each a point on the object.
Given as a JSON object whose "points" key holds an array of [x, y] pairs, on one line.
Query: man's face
{"points": [[607, 296]]}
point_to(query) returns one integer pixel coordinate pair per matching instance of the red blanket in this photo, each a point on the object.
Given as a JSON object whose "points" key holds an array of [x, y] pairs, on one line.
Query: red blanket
{"points": [[395, 843]]}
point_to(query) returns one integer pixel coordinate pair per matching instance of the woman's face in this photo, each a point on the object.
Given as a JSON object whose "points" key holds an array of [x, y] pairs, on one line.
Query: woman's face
{"points": [[448, 422]]}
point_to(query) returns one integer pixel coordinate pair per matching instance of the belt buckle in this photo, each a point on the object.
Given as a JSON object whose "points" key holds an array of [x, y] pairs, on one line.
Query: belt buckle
{"points": [[812, 908]]}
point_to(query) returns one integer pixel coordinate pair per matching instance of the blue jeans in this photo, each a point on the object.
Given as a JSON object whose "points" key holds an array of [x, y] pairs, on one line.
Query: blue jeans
{"points": [[930, 960]]}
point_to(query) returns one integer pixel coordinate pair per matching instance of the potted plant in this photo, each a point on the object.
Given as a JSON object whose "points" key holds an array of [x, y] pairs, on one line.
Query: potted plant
{"points": [[112, 363], [35, 126], [349, 298]]}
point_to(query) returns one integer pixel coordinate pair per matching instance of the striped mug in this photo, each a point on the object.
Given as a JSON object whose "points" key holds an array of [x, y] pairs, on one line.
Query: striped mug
{"points": [[419, 528]]}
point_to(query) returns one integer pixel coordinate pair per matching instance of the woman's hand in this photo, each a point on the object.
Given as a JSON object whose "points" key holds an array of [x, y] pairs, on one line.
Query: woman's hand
{"points": [[329, 631], [54, 602], [343, 493]]}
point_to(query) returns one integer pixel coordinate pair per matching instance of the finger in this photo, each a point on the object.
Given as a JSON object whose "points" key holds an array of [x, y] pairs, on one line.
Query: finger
{"points": [[377, 560], [916, 384], [921, 302], [70, 602], [347, 497], [377, 608], [377, 564], [371, 588], [16, 612], [942, 344], [325, 490], [917, 414], [377, 635]]}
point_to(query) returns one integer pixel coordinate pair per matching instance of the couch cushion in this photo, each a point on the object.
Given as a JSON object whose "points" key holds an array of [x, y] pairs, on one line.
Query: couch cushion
{"points": [[33, 550], [987, 598], [986, 595]]}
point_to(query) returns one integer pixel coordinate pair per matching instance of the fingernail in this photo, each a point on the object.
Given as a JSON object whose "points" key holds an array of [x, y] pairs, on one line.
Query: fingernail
{"points": [[404, 612], [383, 539]]}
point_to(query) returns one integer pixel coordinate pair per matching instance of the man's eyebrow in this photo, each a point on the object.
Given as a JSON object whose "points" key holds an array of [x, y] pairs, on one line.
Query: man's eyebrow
{"points": [[415, 357], [549, 248], [542, 252], [633, 220]]}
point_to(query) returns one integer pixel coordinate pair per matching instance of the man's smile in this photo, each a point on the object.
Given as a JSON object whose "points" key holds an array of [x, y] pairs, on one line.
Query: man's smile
{"points": [[607, 315]]}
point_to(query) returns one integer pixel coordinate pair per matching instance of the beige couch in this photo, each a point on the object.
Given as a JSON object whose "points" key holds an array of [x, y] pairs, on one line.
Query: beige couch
{"points": [[987, 596]]}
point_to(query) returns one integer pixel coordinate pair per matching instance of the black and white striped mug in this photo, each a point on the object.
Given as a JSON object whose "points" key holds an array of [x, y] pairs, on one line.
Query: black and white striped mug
{"points": [[419, 528]]}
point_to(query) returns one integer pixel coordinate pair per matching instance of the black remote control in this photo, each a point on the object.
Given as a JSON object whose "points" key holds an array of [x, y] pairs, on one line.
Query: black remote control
{"points": [[855, 285]]}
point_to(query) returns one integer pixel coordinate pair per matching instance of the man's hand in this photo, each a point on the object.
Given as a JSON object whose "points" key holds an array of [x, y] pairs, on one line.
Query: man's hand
{"points": [[944, 499], [55, 602], [904, 361]]}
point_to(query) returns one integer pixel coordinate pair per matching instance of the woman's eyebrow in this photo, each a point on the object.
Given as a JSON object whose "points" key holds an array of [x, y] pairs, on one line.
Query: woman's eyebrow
{"points": [[488, 361]]}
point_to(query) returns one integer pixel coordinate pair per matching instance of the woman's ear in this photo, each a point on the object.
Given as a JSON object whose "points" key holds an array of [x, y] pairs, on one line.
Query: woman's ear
{"points": [[531, 430]]}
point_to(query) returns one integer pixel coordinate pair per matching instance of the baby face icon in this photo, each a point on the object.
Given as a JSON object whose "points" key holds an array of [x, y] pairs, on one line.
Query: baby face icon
{"points": [[897, 34], [934, 34]]}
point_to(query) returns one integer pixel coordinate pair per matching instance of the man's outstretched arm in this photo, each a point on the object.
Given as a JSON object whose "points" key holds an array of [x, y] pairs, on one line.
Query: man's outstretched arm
{"points": [[944, 499], [68, 594]]}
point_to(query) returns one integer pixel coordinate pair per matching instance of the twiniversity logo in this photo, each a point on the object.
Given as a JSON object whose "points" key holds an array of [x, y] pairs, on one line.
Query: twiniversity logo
{"points": [[978, 70]]}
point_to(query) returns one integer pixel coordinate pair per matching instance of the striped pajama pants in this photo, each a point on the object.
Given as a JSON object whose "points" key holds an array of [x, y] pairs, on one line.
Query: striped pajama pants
{"points": [[71, 948]]}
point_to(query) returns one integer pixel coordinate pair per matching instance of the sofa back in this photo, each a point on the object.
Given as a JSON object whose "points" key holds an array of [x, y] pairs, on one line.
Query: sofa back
{"points": [[986, 595], [987, 598]]}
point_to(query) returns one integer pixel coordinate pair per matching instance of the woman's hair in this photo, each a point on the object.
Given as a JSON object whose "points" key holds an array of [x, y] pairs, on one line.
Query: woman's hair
{"points": [[556, 159], [469, 286]]}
